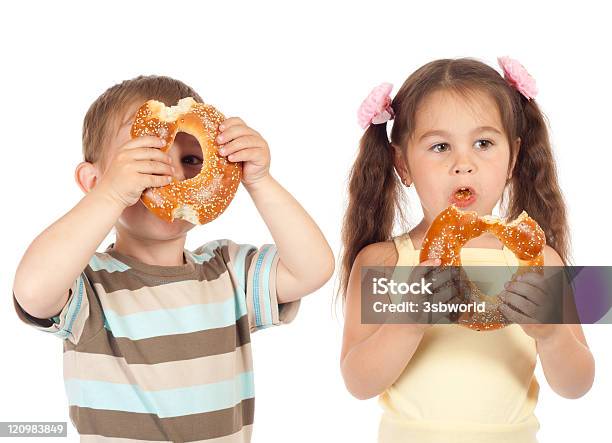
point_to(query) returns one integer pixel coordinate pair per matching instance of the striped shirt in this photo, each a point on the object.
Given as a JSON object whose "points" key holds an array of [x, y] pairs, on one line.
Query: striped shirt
{"points": [[163, 353]]}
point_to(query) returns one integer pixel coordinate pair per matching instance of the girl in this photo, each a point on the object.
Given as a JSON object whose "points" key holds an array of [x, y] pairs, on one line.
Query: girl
{"points": [[457, 124]]}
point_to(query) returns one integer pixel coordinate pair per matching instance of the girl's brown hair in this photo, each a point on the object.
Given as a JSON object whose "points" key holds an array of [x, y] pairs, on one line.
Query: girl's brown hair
{"points": [[375, 191]]}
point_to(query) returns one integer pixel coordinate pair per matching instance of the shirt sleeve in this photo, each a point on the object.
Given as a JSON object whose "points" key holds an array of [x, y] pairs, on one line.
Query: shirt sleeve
{"points": [[70, 322], [255, 269]]}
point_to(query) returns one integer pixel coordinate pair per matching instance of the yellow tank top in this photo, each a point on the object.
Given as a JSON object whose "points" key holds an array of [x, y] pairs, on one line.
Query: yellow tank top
{"points": [[463, 385]]}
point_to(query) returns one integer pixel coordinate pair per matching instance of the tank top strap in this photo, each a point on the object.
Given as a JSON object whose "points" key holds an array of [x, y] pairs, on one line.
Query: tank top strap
{"points": [[403, 242], [511, 259], [406, 254]]}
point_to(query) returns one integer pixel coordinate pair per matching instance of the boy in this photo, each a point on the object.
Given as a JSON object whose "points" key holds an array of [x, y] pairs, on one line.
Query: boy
{"points": [[156, 337]]}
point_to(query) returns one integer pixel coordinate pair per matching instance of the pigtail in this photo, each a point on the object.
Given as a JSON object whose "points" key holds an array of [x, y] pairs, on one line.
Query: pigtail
{"points": [[534, 185], [374, 199]]}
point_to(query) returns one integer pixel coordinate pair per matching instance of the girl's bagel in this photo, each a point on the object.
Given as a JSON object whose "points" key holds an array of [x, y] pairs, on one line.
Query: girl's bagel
{"points": [[452, 228]]}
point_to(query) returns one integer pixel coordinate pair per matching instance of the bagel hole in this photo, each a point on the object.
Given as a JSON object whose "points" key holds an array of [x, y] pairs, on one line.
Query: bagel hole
{"points": [[187, 149], [488, 280]]}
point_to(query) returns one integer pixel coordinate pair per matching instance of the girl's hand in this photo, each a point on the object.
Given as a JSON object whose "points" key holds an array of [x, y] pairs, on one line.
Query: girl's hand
{"points": [[444, 287], [239, 143], [448, 288], [529, 301]]}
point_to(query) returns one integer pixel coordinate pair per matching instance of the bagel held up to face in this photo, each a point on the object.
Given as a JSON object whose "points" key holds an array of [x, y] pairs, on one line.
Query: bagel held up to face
{"points": [[452, 228], [202, 198]]}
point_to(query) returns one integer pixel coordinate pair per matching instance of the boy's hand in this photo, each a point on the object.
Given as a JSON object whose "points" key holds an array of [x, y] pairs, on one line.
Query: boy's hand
{"points": [[137, 165], [239, 143]]}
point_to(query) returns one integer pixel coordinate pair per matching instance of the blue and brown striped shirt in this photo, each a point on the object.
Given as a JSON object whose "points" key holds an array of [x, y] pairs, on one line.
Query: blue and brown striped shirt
{"points": [[163, 353]]}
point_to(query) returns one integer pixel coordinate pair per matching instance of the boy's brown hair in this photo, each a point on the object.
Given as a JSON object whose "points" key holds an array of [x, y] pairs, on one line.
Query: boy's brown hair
{"points": [[103, 114]]}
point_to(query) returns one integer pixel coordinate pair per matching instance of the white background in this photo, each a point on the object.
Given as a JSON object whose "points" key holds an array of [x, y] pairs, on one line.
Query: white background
{"points": [[297, 74]]}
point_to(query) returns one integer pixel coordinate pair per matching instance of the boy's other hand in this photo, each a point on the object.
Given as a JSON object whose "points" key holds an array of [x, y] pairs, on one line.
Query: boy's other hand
{"points": [[137, 165], [239, 143]]}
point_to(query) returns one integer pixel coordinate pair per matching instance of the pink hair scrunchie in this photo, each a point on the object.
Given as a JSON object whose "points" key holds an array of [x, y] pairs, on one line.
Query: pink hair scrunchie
{"points": [[376, 108], [518, 77]]}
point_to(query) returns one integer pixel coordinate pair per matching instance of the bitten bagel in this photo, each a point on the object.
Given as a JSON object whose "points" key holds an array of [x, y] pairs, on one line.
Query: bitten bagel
{"points": [[202, 198], [452, 228]]}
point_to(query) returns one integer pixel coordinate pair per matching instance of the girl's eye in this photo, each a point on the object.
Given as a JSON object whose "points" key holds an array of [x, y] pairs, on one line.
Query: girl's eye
{"points": [[197, 159], [487, 143], [441, 145]]}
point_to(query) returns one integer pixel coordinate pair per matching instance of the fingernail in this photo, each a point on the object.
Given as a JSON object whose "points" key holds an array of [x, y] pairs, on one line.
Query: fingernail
{"points": [[219, 139], [221, 127], [222, 151], [173, 170], [438, 261]]}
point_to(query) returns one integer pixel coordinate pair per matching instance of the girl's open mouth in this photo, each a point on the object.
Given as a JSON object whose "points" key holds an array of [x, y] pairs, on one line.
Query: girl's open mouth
{"points": [[463, 196]]}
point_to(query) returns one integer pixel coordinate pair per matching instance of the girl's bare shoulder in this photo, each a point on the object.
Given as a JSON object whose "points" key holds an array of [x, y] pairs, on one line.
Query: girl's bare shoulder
{"points": [[378, 254]]}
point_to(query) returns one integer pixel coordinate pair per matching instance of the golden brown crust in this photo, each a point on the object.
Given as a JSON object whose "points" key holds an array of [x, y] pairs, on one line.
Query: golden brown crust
{"points": [[453, 228], [204, 197]]}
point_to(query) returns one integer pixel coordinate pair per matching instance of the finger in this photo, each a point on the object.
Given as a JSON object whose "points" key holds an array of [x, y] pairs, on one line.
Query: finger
{"points": [[248, 154], [514, 316], [243, 142], [449, 276], [524, 305], [155, 181], [536, 295], [229, 122], [440, 273], [149, 154], [144, 141], [434, 272], [234, 132], [153, 167], [444, 295], [533, 279], [427, 266], [442, 282], [456, 301], [430, 262], [424, 269], [433, 262]]}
